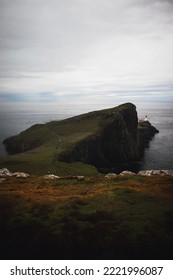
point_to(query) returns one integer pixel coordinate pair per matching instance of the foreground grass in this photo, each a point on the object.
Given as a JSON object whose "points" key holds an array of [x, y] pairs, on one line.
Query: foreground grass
{"points": [[96, 218]]}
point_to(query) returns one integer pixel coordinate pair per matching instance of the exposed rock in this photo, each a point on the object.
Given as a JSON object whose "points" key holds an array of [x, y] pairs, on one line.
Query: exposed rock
{"points": [[115, 142], [4, 172], [145, 133], [51, 176], [28, 139], [121, 140], [20, 175], [2, 180], [155, 172], [80, 177], [126, 172], [110, 175]]}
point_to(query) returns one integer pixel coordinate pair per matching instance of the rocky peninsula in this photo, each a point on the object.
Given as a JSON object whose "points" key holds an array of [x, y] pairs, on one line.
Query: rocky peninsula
{"points": [[71, 211], [81, 144]]}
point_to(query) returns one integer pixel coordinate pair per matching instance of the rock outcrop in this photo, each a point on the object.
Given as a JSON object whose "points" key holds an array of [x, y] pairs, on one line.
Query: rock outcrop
{"points": [[4, 172], [20, 174], [145, 133], [51, 176], [120, 140], [102, 138], [111, 175], [141, 173], [155, 172], [126, 172]]}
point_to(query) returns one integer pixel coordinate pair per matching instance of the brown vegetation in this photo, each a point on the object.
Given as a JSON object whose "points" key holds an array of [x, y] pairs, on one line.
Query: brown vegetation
{"points": [[126, 217]]}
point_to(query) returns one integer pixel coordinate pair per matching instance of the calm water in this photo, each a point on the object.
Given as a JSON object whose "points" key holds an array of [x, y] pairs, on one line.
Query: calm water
{"points": [[159, 155], [12, 123]]}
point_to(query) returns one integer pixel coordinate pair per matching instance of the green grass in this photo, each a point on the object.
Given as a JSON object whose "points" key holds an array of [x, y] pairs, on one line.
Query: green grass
{"points": [[39, 146], [40, 162], [45, 142]]}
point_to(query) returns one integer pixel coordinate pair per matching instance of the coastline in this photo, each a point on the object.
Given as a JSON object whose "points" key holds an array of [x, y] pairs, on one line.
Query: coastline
{"points": [[94, 140], [156, 156]]}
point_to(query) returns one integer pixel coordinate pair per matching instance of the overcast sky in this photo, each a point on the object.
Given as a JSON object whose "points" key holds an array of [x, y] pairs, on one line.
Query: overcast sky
{"points": [[85, 51]]}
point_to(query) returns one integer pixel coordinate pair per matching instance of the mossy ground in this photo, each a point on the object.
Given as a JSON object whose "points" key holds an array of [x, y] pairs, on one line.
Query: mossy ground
{"points": [[128, 217]]}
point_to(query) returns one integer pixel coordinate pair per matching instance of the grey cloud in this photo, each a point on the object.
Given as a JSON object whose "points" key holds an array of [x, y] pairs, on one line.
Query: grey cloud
{"points": [[35, 34], [165, 1], [71, 36]]}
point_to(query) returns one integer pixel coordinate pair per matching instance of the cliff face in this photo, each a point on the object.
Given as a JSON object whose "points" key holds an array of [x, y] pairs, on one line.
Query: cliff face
{"points": [[115, 142], [145, 133], [27, 140], [101, 138]]}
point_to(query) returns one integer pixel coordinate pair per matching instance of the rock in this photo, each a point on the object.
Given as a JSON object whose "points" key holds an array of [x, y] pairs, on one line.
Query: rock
{"points": [[80, 177], [145, 133], [20, 175], [2, 180], [115, 140], [51, 176], [4, 172], [145, 173], [126, 172], [110, 175], [155, 172], [168, 172]]}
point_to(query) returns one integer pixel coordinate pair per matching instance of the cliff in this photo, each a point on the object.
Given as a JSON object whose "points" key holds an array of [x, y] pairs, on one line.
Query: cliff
{"points": [[100, 138], [116, 141], [145, 133]]}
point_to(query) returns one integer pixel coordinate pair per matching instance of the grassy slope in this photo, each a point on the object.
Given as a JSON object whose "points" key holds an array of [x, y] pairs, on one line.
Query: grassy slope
{"points": [[51, 139], [56, 137], [97, 218]]}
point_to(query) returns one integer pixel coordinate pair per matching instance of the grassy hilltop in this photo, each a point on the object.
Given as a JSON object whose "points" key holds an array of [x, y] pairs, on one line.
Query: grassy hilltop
{"points": [[78, 145]]}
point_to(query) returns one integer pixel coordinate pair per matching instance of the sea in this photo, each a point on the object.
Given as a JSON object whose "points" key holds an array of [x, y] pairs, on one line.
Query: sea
{"points": [[158, 155]]}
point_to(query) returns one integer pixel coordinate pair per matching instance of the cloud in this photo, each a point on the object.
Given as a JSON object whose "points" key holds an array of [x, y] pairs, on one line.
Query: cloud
{"points": [[53, 49]]}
